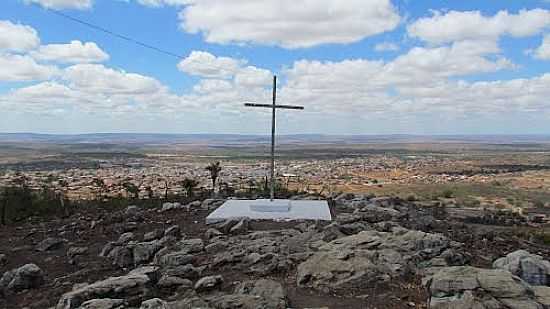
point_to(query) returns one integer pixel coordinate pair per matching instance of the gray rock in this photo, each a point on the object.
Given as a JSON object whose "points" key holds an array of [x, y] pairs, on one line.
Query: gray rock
{"points": [[72, 252], [193, 205], [173, 282], [174, 231], [26, 277], [183, 271], [208, 283], [226, 225], [369, 257], [176, 258], [211, 233], [155, 303], [195, 245], [530, 267], [171, 206], [241, 301], [50, 243], [240, 228], [344, 197], [271, 292], [125, 238], [131, 210], [191, 303], [3, 259], [470, 287], [145, 251], [133, 287], [105, 303], [107, 249], [209, 204], [215, 247], [542, 295], [346, 269], [156, 234], [122, 256]]}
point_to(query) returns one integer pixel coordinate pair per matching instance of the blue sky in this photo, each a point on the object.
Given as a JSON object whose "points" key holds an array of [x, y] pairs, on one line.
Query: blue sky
{"points": [[448, 67]]}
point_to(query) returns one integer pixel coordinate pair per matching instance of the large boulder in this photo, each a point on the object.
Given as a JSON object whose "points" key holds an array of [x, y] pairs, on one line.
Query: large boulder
{"points": [[173, 231], [26, 277], [327, 270], [183, 271], [194, 245], [50, 243], [155, 234], [125, 238], [260, 253], [470, 287], [208, 283], [542, 295], [368, 257], [531, 268], [172, 206], [106, 303], [122, 256], [175, 259], [154, 303], [271, 293], [241, 227], [260, 294], [145, 251], [209, 204], [133, 287]]}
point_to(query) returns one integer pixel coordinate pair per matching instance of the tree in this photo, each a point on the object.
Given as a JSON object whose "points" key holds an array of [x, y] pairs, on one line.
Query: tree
{"points": [[100, 185], [166, 187], [4, 204], [149, 191], [189, 186], [214, 169], [63, 184], [131, 189]]}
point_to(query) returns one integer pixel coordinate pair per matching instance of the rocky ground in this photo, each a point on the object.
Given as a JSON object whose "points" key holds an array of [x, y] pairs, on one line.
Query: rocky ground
{"points": [[377, 253]]}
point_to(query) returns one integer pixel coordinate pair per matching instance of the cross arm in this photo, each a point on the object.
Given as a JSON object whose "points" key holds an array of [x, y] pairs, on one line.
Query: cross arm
{"points": [[271, 106]]}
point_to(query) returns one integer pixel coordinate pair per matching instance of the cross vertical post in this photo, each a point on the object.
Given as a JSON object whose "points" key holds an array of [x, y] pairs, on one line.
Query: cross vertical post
{"points": [[273, 107], [272, 187]]}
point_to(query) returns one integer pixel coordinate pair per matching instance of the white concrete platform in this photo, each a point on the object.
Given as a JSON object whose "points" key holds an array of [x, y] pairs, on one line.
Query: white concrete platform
{"points": [[277, 210]]}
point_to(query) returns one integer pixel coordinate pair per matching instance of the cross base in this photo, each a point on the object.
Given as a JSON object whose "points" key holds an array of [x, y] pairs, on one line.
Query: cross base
{"points": [[278, 210], [266, 205]]}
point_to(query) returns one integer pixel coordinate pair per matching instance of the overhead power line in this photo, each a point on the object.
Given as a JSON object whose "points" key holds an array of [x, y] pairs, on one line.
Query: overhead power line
{"points": [[118, 35]]}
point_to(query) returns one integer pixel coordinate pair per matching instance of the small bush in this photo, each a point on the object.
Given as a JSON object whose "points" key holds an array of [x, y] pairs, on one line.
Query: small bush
{"points": [[448, 193]]}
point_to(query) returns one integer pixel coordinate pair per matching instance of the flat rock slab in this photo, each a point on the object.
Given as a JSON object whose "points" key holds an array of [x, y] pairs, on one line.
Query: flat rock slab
{"points": [[278, 210]]}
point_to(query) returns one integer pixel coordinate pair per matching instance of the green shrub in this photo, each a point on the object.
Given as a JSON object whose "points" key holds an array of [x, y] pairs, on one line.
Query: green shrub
{"points": [[448, 193]]}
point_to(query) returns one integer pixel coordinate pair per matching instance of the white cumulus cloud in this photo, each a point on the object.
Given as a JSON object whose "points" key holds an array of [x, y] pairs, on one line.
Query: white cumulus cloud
{"points": [[160, 3], [205, 64], [16, 68], [473, 25], [543, 51], [288, 23], [73, 52], [63, 4], [16, 37], [96, 78]]}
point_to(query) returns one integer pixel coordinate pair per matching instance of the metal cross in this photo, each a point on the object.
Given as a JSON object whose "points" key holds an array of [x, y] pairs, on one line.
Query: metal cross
{"points": [[273, 107]]}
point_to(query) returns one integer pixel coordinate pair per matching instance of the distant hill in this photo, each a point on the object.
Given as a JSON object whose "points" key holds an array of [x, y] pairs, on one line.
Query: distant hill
{"points": [[238, 139]]}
